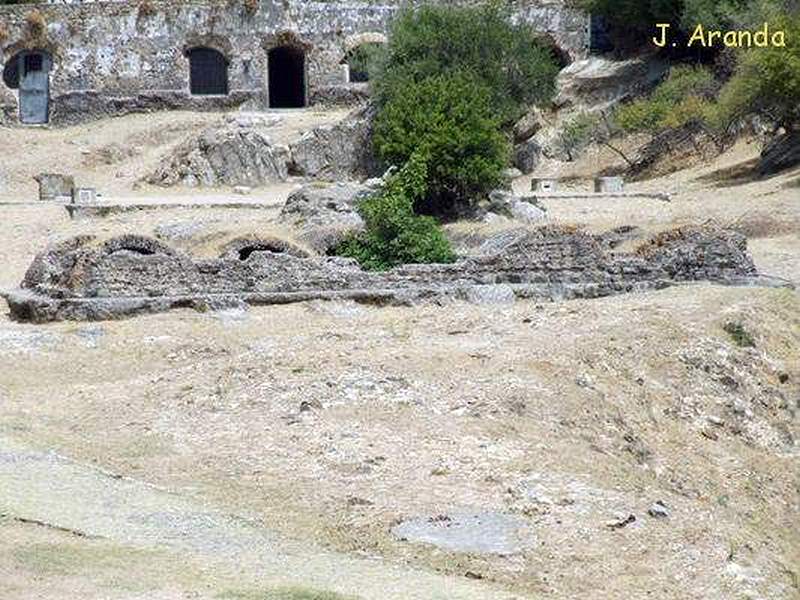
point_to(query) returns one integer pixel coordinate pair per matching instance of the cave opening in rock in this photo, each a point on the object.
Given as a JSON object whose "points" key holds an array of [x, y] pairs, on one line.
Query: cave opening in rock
{"points": [[287, 77]]}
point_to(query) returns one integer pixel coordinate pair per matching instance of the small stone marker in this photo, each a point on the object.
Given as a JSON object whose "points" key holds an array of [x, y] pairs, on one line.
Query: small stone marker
{"points": [[609, 185], [84, 195], [547, 186], [54, 186]]}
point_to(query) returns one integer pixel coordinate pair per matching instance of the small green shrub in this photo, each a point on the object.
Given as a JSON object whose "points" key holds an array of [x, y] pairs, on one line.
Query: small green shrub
{"points": [[680, 99], [576, 134], [766, 81], [740, 336], [394, 235], [365, 60], [37, 26], [447, 118]]}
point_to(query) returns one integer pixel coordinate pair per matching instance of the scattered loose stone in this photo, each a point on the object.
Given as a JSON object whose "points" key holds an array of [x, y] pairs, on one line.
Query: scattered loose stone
{"points": [[309, 405], [658, 510], [621, 522]]}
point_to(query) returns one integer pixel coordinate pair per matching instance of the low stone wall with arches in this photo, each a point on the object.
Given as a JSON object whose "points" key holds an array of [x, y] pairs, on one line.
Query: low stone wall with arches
{"points": [[67, 63]]}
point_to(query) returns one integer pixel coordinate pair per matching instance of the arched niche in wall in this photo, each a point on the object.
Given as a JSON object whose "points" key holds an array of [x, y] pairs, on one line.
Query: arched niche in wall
{"points": [[208, 72], [287, 69], [28, 71], [362, 52]]}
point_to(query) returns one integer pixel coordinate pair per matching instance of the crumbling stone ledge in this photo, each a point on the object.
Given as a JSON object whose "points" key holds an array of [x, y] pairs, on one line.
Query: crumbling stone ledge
{"points": [[84, 279]]}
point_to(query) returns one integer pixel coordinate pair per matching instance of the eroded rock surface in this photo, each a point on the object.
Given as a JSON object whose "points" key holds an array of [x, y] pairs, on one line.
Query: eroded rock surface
{"points": [[231, 155], [340, 151], [781, 153], [324, 213], [598, 82]]}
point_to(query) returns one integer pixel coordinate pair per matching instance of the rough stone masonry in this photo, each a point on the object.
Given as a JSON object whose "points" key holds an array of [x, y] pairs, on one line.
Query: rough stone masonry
{"points": [[85, 60], [84, 279]]}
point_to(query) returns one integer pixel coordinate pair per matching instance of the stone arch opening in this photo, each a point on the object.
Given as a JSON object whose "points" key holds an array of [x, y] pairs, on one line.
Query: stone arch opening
{"points": [[287, 77], [561, 56], [208, 72], [136, 244], [362, 60], [29, 72], [243, 248]]}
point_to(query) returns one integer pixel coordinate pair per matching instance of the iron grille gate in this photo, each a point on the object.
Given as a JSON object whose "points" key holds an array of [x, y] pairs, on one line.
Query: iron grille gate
{"points": [[208, 72]]}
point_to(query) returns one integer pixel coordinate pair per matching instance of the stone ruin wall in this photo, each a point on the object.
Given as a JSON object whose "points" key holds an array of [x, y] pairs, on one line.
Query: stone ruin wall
{"points": [[85, 279], [119, 56]]}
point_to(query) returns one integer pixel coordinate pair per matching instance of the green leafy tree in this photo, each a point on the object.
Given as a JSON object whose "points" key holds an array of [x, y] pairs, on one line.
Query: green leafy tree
{"points": [[365, 60], [508, 59], [449, 119], [394, 234]]}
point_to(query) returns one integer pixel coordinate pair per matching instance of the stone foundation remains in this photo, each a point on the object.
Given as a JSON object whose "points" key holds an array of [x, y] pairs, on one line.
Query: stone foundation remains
{"points": [[83, 279]]}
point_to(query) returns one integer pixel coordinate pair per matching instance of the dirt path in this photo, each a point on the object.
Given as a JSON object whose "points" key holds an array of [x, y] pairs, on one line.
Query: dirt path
{"points": [[50, 489]]}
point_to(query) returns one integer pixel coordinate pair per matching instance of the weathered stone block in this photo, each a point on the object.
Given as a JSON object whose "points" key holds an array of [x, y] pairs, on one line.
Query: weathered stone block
{"points": [[84, 195], [55, 186], [544, 185], [609, 185], [341, 151]]}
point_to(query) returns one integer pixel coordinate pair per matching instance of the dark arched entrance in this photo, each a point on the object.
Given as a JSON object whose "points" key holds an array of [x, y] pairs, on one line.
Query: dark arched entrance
{"points": [[29, 71], [287, 77], [208, 72]]}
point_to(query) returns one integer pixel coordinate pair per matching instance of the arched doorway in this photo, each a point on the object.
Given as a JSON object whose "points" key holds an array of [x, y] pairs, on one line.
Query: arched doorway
{"points": [[29, 72], [362, 61], [208, 72], [287, 77]]}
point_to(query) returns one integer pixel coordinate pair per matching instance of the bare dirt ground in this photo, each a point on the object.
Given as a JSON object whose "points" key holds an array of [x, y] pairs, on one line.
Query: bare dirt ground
{"points": [[268, 453]]}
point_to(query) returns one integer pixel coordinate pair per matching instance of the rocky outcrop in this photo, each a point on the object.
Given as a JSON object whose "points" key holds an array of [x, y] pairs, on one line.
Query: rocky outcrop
{"points": [[86, 280], [780, 154], [597, 83], [340, 151], [54, 185], [324, 205], [508, 205], [230, 155], [324, 213], [673, 150], [527, 156], [528, 125]]}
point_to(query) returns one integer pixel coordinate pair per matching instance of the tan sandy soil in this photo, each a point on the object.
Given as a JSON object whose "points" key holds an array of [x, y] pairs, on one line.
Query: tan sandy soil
{"points": [[570, 415]]}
